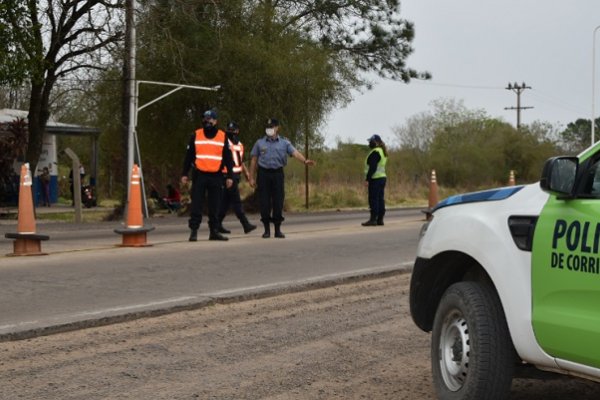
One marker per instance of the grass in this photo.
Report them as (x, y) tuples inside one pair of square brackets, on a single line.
[(322, 197), (92, 215), (336, 196)]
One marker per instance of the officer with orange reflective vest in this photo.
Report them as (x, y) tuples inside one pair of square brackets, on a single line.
[(231, 196), (208, 152)]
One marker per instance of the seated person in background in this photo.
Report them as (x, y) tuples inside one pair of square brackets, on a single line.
[(173, 199)]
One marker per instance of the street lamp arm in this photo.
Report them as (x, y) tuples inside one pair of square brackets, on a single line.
[(159, 98), (209, 88)]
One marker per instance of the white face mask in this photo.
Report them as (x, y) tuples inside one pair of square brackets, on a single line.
[(270, 132)]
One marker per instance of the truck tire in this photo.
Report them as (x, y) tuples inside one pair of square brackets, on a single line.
[(472, 355)]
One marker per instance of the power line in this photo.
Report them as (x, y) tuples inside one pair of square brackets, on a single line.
[(429, 83), (545, 98)]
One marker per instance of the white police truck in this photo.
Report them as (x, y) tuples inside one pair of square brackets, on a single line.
[(509, 279)]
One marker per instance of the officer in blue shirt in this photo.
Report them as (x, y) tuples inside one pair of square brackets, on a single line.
[(270, 154)]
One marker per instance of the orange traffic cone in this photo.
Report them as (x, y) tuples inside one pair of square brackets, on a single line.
[(511, 178), (134, 233), (27, 242), (433, 195)]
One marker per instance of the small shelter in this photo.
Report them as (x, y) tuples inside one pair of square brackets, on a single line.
[(49, 155)]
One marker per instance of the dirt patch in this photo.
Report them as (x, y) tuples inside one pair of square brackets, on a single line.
[(353, 341)]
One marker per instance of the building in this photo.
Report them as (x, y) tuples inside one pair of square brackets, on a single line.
[(48, 157)]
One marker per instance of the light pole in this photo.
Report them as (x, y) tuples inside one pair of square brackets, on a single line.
[(594, 82)]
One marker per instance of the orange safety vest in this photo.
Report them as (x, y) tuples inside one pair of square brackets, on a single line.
[(237, 152), (209, 152)]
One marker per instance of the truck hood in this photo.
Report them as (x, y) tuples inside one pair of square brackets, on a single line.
[(477, 197)]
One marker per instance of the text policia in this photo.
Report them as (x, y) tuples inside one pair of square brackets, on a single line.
[(582, 244)]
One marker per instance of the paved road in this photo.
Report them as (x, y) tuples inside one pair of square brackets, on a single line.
[(87, 280)]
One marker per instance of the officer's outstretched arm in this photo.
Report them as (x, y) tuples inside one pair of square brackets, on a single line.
[(297, 155)]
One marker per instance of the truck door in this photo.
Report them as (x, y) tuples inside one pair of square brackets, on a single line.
[(566, 270)]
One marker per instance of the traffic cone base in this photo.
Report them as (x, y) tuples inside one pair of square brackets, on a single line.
[(27, 242), (134, 237)]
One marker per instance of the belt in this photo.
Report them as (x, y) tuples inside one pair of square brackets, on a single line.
[(280, 169)]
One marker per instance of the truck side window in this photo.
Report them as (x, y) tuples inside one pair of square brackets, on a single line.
[(592, 180)]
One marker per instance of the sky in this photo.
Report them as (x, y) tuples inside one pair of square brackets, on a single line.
[(473, 49)]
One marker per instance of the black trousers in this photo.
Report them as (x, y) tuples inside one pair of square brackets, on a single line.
[(209, 185), (376, 197), (231, 198), (271, 194)]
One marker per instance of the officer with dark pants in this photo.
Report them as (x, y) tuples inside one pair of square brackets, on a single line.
[(271, 195), (231, 196), (269, 155), (375, 180), (208, 151)]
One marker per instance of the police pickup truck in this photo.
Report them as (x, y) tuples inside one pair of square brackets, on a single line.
[(509, 279)]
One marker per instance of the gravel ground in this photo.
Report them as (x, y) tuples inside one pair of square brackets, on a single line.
[(353, 341)]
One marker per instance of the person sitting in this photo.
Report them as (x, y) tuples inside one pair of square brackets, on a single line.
[(173, 199)]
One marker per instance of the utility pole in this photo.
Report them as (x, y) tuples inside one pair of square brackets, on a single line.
[(129, 99), (518, 90)]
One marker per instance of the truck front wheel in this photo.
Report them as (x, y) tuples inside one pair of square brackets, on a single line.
[(472, 355)]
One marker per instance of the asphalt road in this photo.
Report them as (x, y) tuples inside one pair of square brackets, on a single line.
[(87, 280)]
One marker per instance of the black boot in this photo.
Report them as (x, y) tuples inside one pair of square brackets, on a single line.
[(267, 233), (223, 230), (194, 235), (380, 218), (215, 235), (278, 233), (371, 222), (248, 227)]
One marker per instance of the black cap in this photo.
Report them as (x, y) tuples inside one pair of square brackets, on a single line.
[(374, 138), (271, 122), (212, 114), (232, 126)]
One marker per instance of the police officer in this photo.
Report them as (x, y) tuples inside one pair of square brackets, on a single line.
[(208, 152), (231, 196), (375, 179), (270, 155)]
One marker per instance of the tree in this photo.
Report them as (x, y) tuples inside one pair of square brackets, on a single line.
[(476, 153), (417, 134), (13, 143), (14, 41), (367, 35), (577, 135), (55, 40), (295, 60)]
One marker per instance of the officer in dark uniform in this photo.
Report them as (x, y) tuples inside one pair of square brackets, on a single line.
[(270, 154), (231, 196), (375, 179), (208, 152)]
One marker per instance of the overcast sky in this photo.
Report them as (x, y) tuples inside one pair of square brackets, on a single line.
[(474, 48)]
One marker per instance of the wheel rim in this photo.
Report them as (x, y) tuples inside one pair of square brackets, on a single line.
[(454, 350)]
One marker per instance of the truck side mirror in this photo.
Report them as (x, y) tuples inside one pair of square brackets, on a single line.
[(558, 175)]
